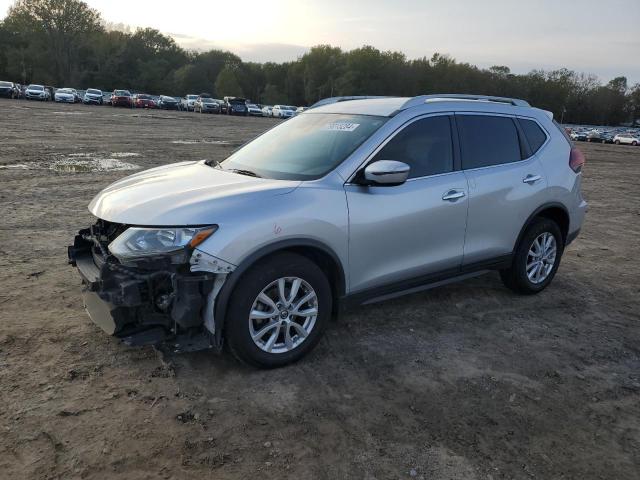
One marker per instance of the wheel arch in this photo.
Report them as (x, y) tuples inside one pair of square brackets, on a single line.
[(553, 211), (316, 251)]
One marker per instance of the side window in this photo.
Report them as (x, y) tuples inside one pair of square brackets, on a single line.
[(535, 135), (487, 140), (425, 145)]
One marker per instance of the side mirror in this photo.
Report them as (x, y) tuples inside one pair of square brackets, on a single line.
[(386, 172)]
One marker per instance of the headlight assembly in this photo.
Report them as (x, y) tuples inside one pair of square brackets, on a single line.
[(137, 242)]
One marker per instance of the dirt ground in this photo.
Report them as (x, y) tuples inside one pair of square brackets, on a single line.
[(468, 381)]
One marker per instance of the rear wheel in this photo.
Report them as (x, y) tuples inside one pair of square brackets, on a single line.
[(634, 143), (537, 258), (278, 311), (617, 142)]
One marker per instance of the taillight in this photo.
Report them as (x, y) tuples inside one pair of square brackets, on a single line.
[(576, 160)]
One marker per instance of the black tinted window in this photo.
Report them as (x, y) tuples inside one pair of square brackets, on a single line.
[(535, 135), (425, 145), (487, 140)]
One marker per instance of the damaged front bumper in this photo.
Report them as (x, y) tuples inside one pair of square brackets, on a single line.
[(151, 301)]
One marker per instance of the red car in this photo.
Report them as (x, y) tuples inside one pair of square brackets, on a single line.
[(121, 98), (142, 100)]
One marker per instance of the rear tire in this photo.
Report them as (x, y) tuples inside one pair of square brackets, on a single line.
[(282, 342), (531, 273)]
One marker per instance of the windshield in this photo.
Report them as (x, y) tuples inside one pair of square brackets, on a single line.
[(65, 90), (192, 97), (207, 100), (306, 147), (94, 92), (237, 101), (142, 96), (36, 87), (122, 93)]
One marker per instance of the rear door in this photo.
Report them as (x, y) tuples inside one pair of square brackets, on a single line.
[(506, 183), (403, 232)]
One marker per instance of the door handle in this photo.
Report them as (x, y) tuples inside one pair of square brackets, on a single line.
[(531, 179), (453, 195)]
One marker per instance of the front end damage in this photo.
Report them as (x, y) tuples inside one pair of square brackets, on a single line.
[(153, 300)]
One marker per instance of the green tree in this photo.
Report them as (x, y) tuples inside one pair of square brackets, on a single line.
[(59, 27), (227, 83)]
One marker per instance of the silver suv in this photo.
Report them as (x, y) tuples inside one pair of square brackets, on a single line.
[(350, 202)]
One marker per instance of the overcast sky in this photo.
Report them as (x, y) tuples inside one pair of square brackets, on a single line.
[(592, 36)]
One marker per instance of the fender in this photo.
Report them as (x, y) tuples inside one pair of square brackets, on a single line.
[(222, 299), (535, 213)]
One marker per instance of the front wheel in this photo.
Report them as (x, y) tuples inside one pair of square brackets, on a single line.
[(634, 143), (536, 259), (278, 311)]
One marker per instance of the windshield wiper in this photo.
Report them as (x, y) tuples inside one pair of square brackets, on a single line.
[(249, 173)]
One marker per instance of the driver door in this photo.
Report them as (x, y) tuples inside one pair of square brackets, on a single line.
[(404, 232)]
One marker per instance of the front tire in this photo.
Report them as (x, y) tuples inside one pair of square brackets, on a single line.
[(536, 259), (278, 311)]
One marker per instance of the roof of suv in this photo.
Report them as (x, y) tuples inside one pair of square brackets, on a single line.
[(389, 106)]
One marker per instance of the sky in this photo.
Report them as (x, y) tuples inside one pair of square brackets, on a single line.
[(591, 36)]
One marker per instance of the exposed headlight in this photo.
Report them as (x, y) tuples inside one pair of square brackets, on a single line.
[(136, 242)]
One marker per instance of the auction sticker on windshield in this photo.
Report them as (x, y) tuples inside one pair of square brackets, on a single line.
[(341, 126)]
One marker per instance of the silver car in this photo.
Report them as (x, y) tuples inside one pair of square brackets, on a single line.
[(347, 203)]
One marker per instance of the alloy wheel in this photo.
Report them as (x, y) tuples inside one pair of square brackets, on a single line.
[(283, 315), (541, 257)]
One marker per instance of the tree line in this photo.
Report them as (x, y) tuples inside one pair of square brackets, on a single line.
[(67, 43)]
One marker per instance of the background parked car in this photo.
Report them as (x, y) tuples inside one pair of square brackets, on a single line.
[(121, 98), (66, 95), (93, 95), (37, 92), (8, 90), (626, 139), (236, 106), (254, 110), (283, 111), (267, 111), (166, 102), (206, 105), (188, 102), (142, 100)]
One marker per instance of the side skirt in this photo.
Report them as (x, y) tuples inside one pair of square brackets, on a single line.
[(425, 282)]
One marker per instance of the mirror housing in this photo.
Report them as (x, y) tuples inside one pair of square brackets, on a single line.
[(386, 173)]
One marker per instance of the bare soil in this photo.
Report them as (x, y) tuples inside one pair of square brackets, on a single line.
[(468, 381)]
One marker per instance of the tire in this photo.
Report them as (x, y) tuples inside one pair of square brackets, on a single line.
[(244, 300), (617, 142), (635, 144), (516, 277)]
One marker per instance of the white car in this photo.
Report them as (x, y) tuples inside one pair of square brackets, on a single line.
[(626, 139), (65, 95), (283, 111), (254, 110), (267, 111), (300, 110), (93, 95), (189, 102), (36, 92)]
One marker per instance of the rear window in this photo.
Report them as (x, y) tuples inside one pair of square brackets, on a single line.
[(535, 135), (487, 140)]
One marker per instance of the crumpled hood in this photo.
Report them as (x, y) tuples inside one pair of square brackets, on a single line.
[(186, 193)]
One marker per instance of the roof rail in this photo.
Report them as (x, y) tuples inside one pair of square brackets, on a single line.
[(415, 101), (327, 101)]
